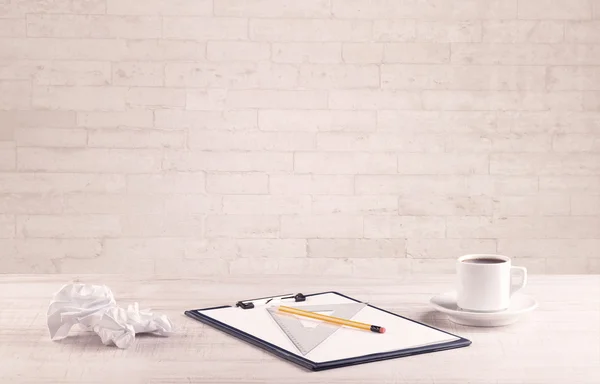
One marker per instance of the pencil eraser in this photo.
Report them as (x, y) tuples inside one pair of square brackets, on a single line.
[(382, 330)]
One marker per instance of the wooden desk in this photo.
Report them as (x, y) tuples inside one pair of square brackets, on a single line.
[(558, 343)]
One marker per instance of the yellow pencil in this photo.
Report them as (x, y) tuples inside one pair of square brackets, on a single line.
[(331, 319)]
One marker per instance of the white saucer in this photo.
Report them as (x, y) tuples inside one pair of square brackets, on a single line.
[(519, 305)]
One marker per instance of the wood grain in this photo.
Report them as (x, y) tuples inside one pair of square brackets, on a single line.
[(558, 343)]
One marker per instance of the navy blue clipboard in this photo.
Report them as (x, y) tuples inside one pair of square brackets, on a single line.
[(313, 366)]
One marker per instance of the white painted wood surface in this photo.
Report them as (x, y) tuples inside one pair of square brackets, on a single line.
[(558, 343)]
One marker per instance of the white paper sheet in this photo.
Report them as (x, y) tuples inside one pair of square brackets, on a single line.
[(93, 307)]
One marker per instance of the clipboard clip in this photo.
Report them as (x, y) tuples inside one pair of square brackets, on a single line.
[(248, 304)]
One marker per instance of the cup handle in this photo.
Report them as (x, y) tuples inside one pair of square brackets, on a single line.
[(515, 286)]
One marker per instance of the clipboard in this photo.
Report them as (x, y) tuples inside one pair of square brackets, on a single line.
[(237, 321)]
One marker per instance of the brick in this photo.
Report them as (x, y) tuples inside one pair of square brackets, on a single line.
[(504, 100), (449, 32), (162, 225), (516, 142), (138, 73), (295, 30), (439, 77), (206, 99), (400, 227), (266, 205), (585, 205), (414, 9), (494, 185), (568, 266), (374, 99), (42, 249), (314, 76), (538, 205), (427, 267), (105, 265), (573, 78), (570, 184), (172, 182), (591, 101), (409, 185), (549, 248), (576, 142), (356, 248), (311, 185), (160, 7), (135, 138), (447, 248), (7, 226), (13, 28), (242, 226), (193, 204), (30, 203), (344, 163), (72, 73), (50, 137), (205, 28), (444, 205), (523, 31), (417, 53), (379, 142), (192, 267), (549, 121), (321, 226), (130, 118), (319, 53), (79, 98), (288, 266), (228, 161), (316, 120), (111, 203), (272, 8), (523, 227), (394, 30), (362, 53), (49, 183), (231, 249), (68, 226), (227, 120), (15, 95), (231, 75), (277, 99), (237, 51), (152, 248), (163, 49), (252, 141), (237, 183), (442, 164), (555, 9), (451, 122), (155, 97), (526, 54), (59, 6), (88, 160), (61, 49), (93, 26), (355, 205), (8, 157), (573, 164), (37, 119)]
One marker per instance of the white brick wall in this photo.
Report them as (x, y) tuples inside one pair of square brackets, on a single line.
[(202, 137)]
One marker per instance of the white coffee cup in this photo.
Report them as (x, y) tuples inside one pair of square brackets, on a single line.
[(486, 282)]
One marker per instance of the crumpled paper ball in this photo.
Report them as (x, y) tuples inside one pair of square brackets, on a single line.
[(93, 307)]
